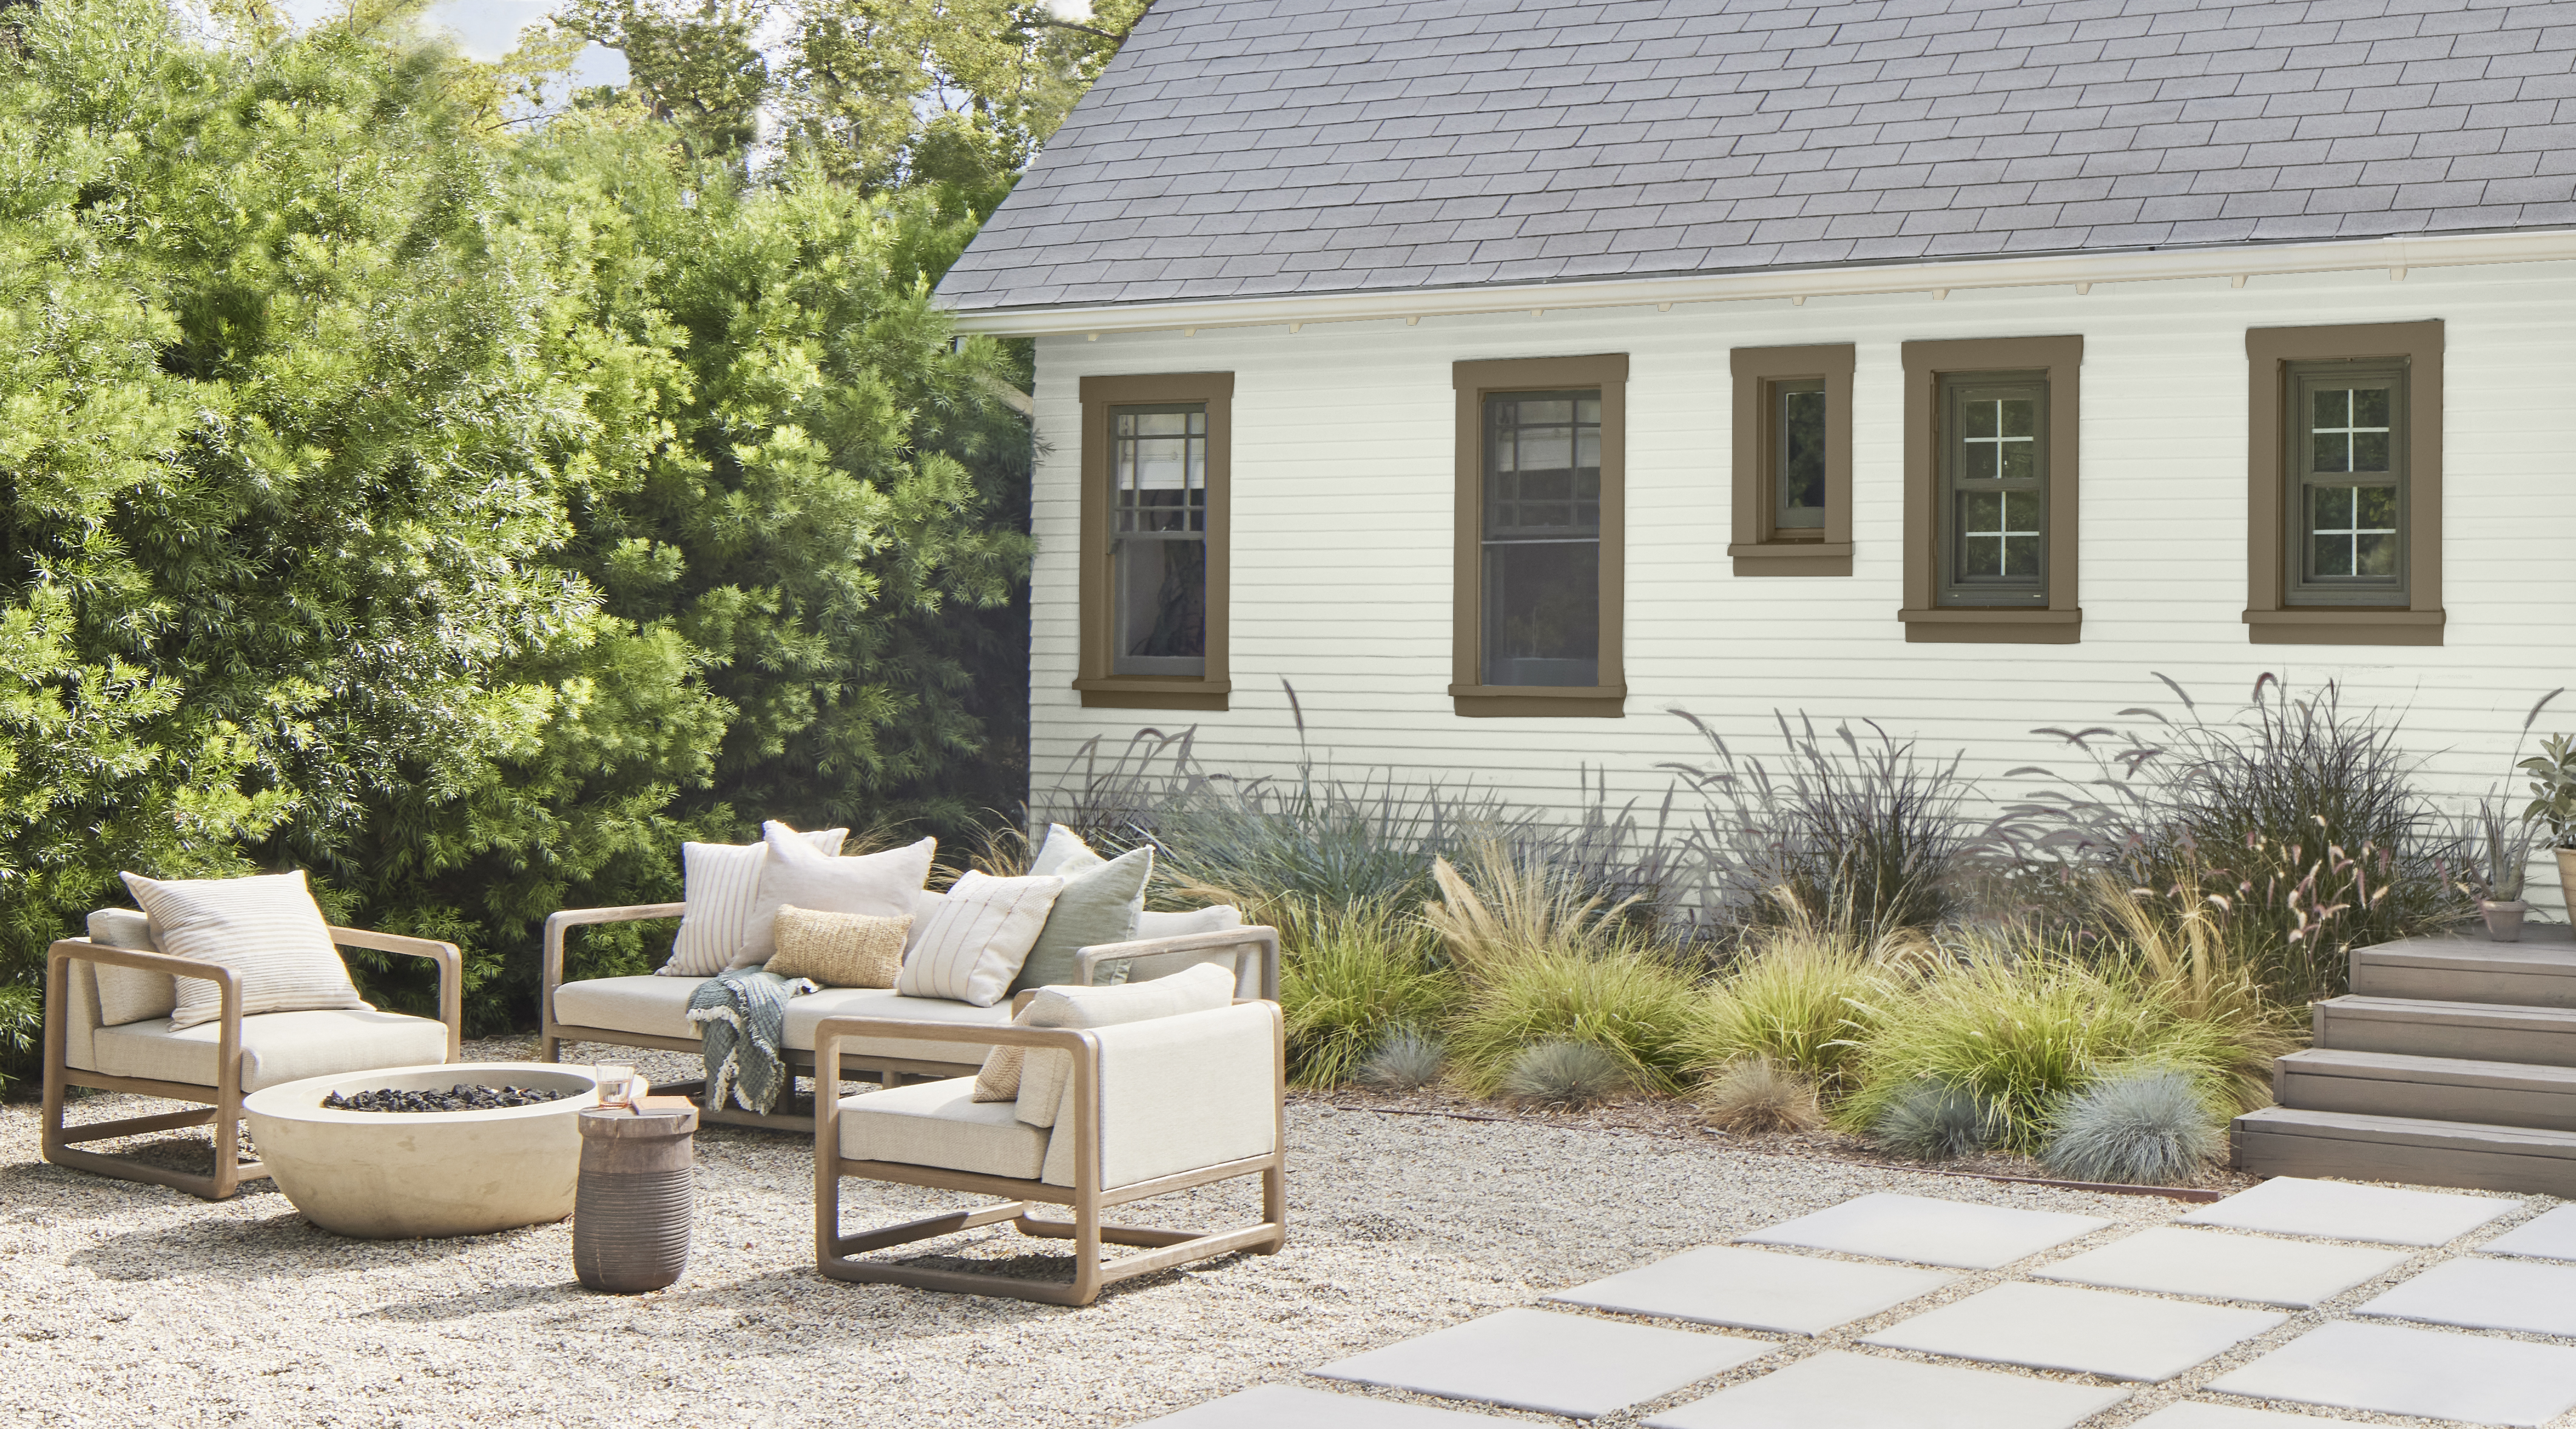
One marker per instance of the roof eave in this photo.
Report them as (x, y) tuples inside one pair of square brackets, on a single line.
[(2238, 261)]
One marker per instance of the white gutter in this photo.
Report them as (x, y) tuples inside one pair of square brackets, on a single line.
[(1939, 278)]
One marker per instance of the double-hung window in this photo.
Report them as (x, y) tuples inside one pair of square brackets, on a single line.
[(1540, 538), (2344, 484), (1991, 427), (1994, 501), (1153, 541)]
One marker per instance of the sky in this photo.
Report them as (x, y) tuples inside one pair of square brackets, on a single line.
[(487, 29)]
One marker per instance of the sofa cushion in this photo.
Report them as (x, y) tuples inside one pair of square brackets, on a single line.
[(977, 940), (1046, 1075), (129, 994), (275, 1047), (264, 927), (1097, 904), (720, 883), (880, 885), (1063, 854), (838, 949), (804, 1012), (1180, 1093), (940, 1124), (1222, 917), (648, 1006)]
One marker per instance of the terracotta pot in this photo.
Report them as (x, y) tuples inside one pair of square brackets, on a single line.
[(2504, 920)]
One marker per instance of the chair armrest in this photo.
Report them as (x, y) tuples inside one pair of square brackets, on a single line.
[(228, 994), (832, 1031), (1255, 950), (451, 973), (559, 923)]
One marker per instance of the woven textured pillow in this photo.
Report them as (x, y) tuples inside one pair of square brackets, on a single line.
[(1046, 1075), (881, 885), (977, 940), (838, 949), (265, 928), (720, 883), (998, 1080)]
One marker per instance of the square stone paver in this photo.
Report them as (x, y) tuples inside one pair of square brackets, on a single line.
[(2386, 1369), (1556, 1364), (2089, 1331), (2226, 1416), (1757, 1289), (2225, 1267), (2486, 1295), (2551, 1236), (1842, 1390), (1930, 1232), (2331, 1210), (1280, 1406)]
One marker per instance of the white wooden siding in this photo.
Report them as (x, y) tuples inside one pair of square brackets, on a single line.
[(1342, 529)]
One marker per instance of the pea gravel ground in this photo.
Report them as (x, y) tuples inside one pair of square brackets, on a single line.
[(130, 1302)]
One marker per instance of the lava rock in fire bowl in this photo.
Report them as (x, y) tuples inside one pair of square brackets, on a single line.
[(480, 1146), (460, 1097)]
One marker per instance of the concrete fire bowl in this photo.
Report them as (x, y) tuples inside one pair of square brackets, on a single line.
[(398, 1175)]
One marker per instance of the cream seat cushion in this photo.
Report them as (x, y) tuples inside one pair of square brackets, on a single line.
[(275, 1047), (804, 1012), (940, 1124), (650, 1006)]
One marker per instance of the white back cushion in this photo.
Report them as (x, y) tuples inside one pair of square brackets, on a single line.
[(1046, 1075), (265, 928), (877, 885), (1180, 1093), (721, 883), (129, 994)]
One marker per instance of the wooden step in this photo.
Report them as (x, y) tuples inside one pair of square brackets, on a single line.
[(2286, 1141), (2470, 1031), (2539, 971), (2427, 1088)]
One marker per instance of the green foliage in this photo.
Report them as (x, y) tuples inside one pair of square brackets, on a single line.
[(1405, 1061), (1351, 979), (1758, 1095), (2018, 1029), (1932, 1121), (2147, 1126), (1803, 1001), (1630, 1002), (2553, 789), (464, 516)]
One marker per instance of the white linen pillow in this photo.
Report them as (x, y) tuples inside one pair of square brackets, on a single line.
[(719, 883), (129, 994), (977, 940), (876, 885), (265, 928), (1063, 854), (1046, 1075)]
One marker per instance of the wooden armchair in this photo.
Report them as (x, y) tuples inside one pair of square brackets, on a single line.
[(1155, 1106), (216, 1062)]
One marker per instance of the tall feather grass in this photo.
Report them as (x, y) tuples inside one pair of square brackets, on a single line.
[(1350, 977), (1802, 1000)]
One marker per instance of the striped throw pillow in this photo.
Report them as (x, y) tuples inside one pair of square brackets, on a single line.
[(978, 938), (264, 928), (721, 884)]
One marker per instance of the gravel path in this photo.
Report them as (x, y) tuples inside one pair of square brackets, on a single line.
[(135, 1301)]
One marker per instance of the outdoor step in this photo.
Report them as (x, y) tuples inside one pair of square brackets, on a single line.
[(2428, 1088), (2472, 1031), (2288, 1141), (2539, 971)]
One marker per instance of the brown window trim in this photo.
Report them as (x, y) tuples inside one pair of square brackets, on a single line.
[(2269, 620), (1759, 549), (2061, 621), (1101, 689), (1609, 372)]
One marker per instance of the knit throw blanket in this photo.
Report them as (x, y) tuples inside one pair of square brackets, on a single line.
[(742, 1020)]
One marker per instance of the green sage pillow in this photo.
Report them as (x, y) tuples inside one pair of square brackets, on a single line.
[(1098, 905)]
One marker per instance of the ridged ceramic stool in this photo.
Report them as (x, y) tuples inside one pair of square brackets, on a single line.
[(638, 1194)]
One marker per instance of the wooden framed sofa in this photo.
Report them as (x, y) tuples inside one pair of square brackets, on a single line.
[(216, 1062), (651, 1011), (1151, 1107)]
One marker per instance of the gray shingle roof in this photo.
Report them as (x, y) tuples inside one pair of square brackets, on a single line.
[(1242, 148)]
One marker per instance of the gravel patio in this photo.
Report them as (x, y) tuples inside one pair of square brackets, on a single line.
[(139, 1301)]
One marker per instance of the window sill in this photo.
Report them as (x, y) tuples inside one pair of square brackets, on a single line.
[(1152, 692), (1970, 625), (1792, 558), (2344, 625), (1522, 701)]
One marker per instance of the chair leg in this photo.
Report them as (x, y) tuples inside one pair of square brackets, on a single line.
[(549, 1049)]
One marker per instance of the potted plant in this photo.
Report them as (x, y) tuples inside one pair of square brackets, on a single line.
[(2506, 842), (2553, 788)]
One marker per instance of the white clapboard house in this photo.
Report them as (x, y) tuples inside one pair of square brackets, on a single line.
[(1505, 374)]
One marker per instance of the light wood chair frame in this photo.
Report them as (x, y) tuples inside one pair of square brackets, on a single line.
[(836, 1254), (223, 1100), (1251, 940)]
